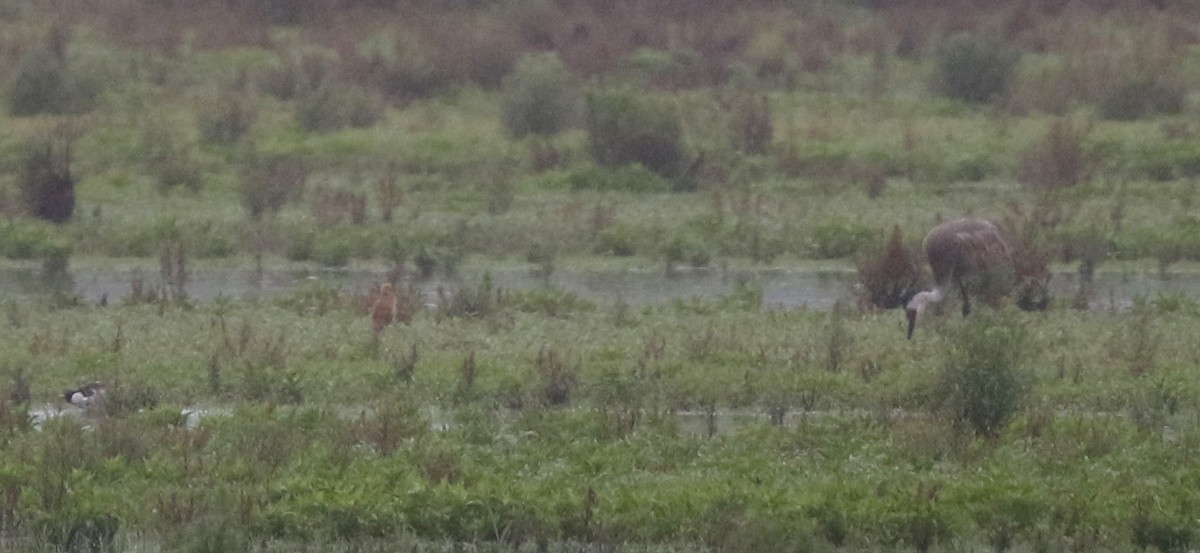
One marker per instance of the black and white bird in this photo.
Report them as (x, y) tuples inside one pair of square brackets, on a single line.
[(87, 395), (958, 251)]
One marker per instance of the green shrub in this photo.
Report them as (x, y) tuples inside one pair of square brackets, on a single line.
[(840, 239), (618, 240), (45, 82), (625, 128), (1139, 98), (975, 68), (751, 123), (541, 97), (228, 118), (169, 159), (399, 67), (981, 384), (629, 178), (689, 249), (332, 107)]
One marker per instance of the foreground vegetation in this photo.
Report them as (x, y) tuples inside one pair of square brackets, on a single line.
[(536, 417), (411, 137)]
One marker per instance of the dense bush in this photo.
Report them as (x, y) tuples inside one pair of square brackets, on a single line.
[(332, 107), (169, 159), (269, 181), (892, 275), (974, 68), (751, 123), (47, 185), (1057, 160), (228, 118), (400, 68), (46, 83), (540, 98), (1139, 98), (625, 128), (981, 382)]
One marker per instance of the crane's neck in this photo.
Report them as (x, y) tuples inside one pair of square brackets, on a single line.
[(917, 304), (922, 299)]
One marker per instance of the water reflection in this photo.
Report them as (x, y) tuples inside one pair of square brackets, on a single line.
[(781, 288)]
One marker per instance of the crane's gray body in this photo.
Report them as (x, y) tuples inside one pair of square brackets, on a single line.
[(964, 253), (964, 247)]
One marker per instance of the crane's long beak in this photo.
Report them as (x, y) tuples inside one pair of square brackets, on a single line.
[(912, 321)]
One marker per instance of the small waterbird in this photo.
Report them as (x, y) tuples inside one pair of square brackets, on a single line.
[(87, 395)]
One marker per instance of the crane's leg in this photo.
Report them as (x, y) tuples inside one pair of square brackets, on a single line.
[(966, 300)]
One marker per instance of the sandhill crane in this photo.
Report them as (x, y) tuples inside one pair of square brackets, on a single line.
[(958, 251), (383, 309)]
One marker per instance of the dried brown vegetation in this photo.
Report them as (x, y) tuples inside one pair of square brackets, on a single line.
[(891, 275), (1031, 257), (1057, 161)]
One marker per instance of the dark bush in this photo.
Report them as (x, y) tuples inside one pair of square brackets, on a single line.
[(751, 123), (269, 181), (891, 275), (1139, 98), (45, 83), (1057, 160), (333, 107), (541, 97), (625, 128), (169, 159), (975, 68), (228, 118), (1162, 531), (400, 68), (46, 183)]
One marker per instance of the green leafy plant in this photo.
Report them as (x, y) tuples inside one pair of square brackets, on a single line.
[(975, 68), (981, 384), (625, 128), (540, 97)]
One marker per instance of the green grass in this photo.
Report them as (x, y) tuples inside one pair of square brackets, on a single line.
[(586, 426)]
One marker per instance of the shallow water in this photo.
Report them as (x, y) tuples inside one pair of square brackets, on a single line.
[(782, 288)]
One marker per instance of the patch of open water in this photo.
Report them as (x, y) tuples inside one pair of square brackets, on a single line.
[(781, 288)]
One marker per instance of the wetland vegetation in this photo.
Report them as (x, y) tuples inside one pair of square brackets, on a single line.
[(415, 139)]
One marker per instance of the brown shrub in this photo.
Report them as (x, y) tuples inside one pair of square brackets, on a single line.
[(1056, 161), (891, 275), (1030, 256)]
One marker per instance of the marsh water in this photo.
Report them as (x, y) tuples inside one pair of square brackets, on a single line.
[(781, 288)]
